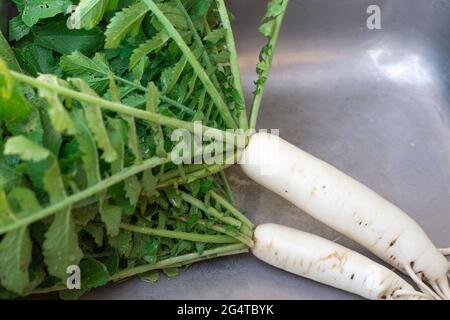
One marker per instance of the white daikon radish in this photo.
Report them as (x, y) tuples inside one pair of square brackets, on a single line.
[(327, 262), (349, 207)]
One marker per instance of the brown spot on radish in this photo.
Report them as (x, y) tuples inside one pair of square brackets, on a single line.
[(286, 191), (352, 277), (393, 242), (412, 264)]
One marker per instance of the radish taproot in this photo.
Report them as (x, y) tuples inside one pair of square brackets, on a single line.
[(349, 207), (327, 262)]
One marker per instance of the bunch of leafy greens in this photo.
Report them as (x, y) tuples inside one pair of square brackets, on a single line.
[(90, 93)]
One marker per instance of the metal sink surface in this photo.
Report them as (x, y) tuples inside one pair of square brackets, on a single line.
[(374, 103)]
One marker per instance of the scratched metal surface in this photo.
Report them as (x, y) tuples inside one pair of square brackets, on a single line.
[(376, 104)]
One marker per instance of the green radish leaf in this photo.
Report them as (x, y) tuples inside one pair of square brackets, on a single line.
[(31, 127), (36, 10), (93, 274), (88, 14), (35, 59), (206, 185), (95, 121), (149, 183), (111, 263), (25, 199), (7, 54), (148, 47), (55, 36), (133, 190), (116, 132), (113, 4), (271, 20), (174, 15), (8, 177), (95, 72), (200, 8), (26, 149), (58, 114), (175, 74), (71, 294), (88, 149), (6, 213), (133, 139), (145, 247), (153, 97), (124, 22), (96, 232), (53, 183), (171, 272), (15, 259), (77, 64), (60, 248), (18, 29), (85, 215), (151, 276), (216, 35), (16, 246), (123, 243), (222, 57), (13, 105), (139, 70), (6, 81), (111, 216)]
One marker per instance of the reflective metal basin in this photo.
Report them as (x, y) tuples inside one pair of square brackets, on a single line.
[(374, 103)]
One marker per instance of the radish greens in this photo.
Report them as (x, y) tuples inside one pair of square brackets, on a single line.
[(90, 94)]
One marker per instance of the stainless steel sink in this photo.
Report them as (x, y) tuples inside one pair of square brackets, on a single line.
[(374, 103)]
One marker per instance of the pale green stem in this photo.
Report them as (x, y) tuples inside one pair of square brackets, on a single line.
[(120, 108), (201, 73), (228, 206), (227, 187), (163, 98), (199, 42), (191, 177), (189, 236), (184, 260), (257, 99), (242, 237), (210, 210), (234, 62)]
